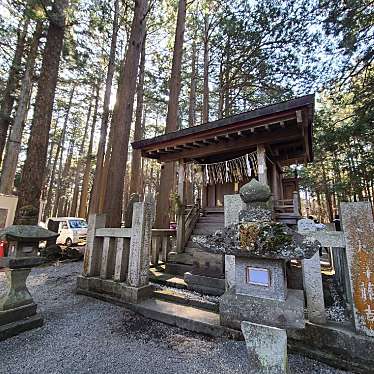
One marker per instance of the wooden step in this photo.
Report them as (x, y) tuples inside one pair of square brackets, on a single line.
[(205, 230)]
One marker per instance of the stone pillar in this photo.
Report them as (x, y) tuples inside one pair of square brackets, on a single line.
[(140, 245), (267, 348), (312, 279), (233, 204), (180, 212), (92, 254), (358, 227), (261, 164)]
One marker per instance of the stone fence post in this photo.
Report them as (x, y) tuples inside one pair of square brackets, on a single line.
[(233, 204), (93, 252), (140, 245), (312, 278)]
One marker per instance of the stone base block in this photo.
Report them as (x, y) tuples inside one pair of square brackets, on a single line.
[(267, 348), (14, 328), (206, 285), (17, 314), (286, 314), (335, 344), (208, 264), (117, 290)]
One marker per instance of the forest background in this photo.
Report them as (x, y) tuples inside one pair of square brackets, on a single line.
[(81, 79)]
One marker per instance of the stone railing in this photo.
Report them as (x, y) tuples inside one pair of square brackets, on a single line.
[(163, 242), (116, 261)]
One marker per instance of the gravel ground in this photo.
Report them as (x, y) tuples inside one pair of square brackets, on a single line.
[(84, 335)]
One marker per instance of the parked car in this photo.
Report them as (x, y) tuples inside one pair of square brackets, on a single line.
[(72, 230)]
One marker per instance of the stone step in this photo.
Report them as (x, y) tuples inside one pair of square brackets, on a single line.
[(186, 298), (183, 258), (185, 317), (168, 279), (177, 268)]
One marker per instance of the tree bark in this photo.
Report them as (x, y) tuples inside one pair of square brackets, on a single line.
[(13, 78), (135, 185), (34, 167), (15, 136), (87, 169), (168, 170), (78, 171), (98, 178), (192, 96), (122, 116), (206, 70), (61, 151), (66, 175)]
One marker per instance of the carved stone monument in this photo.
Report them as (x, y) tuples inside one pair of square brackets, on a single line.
[(259, 294), (17, 307), (359, 238)]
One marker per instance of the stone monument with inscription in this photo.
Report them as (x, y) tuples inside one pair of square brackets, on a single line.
[(358, 225), (260, 295)]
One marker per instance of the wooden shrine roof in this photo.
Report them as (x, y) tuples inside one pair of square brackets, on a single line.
[(285, 128)]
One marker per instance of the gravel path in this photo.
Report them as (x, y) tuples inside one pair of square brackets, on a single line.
[(84, 335)]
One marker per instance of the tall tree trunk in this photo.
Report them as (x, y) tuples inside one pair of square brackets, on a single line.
[(78, 171), (167, 171), (327, 193), (221, 90), (98, 178), (206, 70), (192, 96), (122, 116), (87, 169), (13, 79), (34, 167), (105, 172), (66, 175), (135, 185), (49, 199), (61, 151), (15, 136)]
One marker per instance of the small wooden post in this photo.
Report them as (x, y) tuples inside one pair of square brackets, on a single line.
[(181, 217), (261, 164), (274, 178), (296, 207)]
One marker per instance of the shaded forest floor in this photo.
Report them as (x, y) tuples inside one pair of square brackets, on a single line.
[(82, 335)]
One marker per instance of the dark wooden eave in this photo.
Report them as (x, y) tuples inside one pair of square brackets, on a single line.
[(285, 127)]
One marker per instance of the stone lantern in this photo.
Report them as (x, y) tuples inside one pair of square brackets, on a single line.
[(262, 249), (260, 302), (17, 308)]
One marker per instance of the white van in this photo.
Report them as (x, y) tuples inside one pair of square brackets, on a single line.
[(72, 230)]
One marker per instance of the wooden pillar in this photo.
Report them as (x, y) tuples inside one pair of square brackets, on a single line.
[(274, 179), (261, 164), (181, 217)]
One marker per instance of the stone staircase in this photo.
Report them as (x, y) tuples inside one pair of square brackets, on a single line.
[(210, 221)]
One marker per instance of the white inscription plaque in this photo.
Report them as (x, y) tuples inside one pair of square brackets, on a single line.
[(258, 276)]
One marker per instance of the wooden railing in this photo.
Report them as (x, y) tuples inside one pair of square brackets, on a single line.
[(191, 219), (163, 242)]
